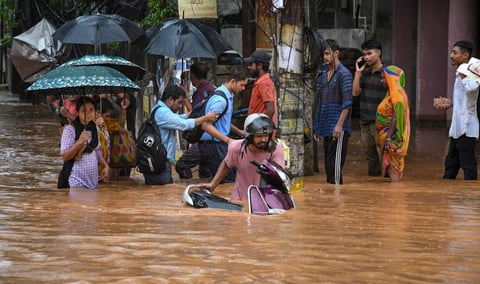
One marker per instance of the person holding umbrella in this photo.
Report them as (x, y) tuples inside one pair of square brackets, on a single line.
[(81, 150), (81, 165)]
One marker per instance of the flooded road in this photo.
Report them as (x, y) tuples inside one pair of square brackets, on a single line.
[(421, 230)]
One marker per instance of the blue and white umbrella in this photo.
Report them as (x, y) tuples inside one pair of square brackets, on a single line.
[(130, 69), (82, 80)]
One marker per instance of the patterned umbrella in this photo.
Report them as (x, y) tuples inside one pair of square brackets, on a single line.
[(130, 69), (82, 80)]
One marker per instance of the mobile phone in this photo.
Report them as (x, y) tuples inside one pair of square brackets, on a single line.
[(361, 63)]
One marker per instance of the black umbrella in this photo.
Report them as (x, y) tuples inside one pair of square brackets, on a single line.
[(98, 29), (182, 38)]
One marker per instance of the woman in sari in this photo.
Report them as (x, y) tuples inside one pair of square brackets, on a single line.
[(393, 124)]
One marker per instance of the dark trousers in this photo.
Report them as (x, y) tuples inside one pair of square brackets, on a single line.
[(162, 178), (335, 151), (190, 159), (369, 137), (212, 154), (461, 154)]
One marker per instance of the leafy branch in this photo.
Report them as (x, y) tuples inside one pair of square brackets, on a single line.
[(159, 11), (6, 15)]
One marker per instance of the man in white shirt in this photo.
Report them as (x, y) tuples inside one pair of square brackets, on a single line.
[(464, 130)]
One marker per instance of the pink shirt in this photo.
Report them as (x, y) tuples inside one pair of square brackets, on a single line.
[(239, 156), (71, 107)]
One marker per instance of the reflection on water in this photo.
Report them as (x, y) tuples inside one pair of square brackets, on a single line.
[(422, 230)]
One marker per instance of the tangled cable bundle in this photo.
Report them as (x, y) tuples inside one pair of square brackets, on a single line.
[(313, 46)]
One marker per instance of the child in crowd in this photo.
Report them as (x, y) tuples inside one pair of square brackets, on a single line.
[(68, 110)]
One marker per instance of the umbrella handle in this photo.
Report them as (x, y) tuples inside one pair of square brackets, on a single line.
[(84, 108)]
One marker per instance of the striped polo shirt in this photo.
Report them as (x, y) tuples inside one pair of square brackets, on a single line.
[(333, 96), (373, 92)]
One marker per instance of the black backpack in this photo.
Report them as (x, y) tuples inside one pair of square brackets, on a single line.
[(193, 135), (151, 153)]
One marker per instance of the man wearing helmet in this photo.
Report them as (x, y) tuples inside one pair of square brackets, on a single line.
[(257, 145)]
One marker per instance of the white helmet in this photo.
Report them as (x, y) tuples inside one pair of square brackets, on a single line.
[(258, 124)]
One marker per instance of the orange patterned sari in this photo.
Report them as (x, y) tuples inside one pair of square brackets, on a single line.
[(395, 104)]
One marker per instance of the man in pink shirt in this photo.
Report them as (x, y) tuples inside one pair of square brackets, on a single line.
[(257, 145)]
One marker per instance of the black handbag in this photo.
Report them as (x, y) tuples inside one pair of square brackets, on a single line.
[(65, 174)]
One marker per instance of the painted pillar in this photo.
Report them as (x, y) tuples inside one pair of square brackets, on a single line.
[(463, 24), (431, 57), (423, 35), (404, 44)]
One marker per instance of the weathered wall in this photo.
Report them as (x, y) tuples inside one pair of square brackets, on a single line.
[(432, 54), (404, 45)]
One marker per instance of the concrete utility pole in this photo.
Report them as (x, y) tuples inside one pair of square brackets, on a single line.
[(291, 95), (280, 30)]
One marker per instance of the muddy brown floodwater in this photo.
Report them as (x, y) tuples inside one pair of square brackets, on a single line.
[(421, 230)]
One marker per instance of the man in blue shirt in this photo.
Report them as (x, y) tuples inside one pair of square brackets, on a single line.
[(214, 142), (168, 121), (333, 116)]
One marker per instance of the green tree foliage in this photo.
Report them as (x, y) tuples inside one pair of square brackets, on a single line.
[(60, 11), (158, 11), (6, 15)]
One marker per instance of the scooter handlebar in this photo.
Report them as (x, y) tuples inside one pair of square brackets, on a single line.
[(186, 194), (260, 167)]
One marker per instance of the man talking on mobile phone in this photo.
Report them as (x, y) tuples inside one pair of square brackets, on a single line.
[(367, 84)]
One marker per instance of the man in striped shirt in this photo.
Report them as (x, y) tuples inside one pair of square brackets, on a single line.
[(333, 114), (367, 84)]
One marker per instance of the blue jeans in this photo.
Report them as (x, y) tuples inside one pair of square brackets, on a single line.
[(162, 178)]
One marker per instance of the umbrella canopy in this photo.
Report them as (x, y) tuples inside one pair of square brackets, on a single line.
[(34, 52), (182, 38), (82, 80), (130, 69), (98, 29)]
